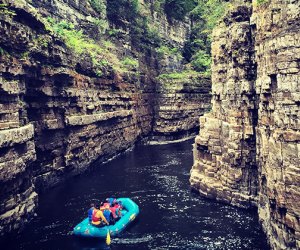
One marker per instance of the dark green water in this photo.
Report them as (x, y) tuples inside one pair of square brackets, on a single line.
[(171, 217)]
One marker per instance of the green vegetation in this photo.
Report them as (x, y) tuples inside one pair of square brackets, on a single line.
[(159, 6), (74, 39), (2, 51), (81, 44), (178, 75), (4, 10), (130, 63), (101, 54), (144, 37), (129, 15), (166, 51), (125, 12), (204, 16), (120, 11), (101, 24), (151, 35), (201, 61), (25, 55), (259, 2), (178, 9), (175, 9), (116, 33), (41, 41), (99, 6)]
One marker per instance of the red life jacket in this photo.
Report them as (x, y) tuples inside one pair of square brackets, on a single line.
[(94, 218)]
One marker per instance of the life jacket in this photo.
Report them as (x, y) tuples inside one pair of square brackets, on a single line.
[(96, 219), (111, 200), (116, 211), (106, 214)]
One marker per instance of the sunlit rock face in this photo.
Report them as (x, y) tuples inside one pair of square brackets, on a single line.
[(247, 152), (224, 152), (277, 45)]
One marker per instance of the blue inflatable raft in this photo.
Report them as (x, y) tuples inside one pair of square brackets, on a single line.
[(130, 211)]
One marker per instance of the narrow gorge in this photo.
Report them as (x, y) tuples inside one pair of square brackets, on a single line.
[(83, 81), (80, 84)]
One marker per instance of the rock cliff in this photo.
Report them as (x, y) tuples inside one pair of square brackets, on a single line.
[(247, 152), (66, 103), (179, 104)]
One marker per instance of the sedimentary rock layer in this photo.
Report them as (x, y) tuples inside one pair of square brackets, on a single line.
[(277, 35), (179, 104), (224, 152), (57, 116), (247, 152)]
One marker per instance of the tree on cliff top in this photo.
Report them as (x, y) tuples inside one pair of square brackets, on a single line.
[(204, 18)]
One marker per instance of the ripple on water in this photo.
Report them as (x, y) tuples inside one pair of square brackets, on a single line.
[(171, 217)]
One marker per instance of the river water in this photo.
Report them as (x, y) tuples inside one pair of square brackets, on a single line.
[(156, 177)]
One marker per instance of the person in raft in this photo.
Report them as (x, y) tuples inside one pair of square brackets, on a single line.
[(109, 201), (115, 210), (106, 212), (98, 219), (90, 212)]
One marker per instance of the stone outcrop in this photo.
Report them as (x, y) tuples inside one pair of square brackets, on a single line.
[(224, 166), (247, 152), (277, 35), (179, 104), (57, 114)]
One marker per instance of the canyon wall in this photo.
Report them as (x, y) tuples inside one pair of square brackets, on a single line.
[(57, 116), (179, 104), (62, 110), (247, 152), (277, 34), (181, 97)]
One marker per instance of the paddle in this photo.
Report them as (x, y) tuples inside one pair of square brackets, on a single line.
[(108, 241)]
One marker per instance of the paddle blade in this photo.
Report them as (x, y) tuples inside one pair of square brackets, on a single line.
[(108, 238)]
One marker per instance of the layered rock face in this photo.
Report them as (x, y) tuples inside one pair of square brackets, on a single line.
[(247, 152), (57, 117), (179, 104), (224, 152), (57, 113), (277, 47), (179, 101)]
